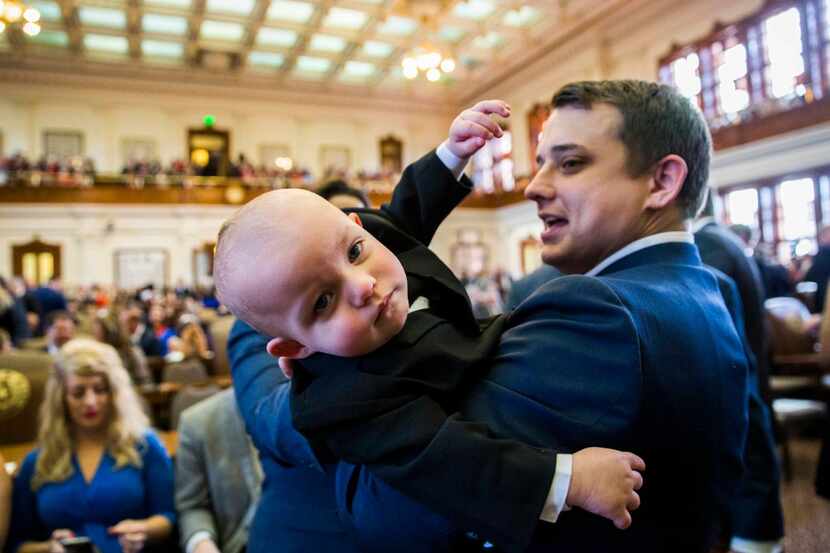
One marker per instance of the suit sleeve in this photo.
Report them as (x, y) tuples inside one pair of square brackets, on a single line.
[(193, 501), (425, 195), (262, 393)]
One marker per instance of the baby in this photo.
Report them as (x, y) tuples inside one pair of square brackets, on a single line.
[(378, 382)]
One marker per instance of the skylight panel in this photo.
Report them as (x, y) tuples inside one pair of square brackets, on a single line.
[(51, 38), (266, 59), (341, 18), (474, 9), (521, 17), (359, 69), (49, 11), (276, 37), (310, 64), (164, 24), (238, 7), (102, 17), (451, 34), (162, 48), (106, 43), (490, 40), (399, 26), (375, 49), (221, 30), (287, 10), (327, 43)]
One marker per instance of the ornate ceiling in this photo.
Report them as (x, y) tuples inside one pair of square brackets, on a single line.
[(346, 46)]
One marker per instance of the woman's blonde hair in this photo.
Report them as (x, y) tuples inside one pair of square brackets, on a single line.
[(126, 425)]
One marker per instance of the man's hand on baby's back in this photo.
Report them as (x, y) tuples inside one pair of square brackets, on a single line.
[(474, 126), (605, 483)]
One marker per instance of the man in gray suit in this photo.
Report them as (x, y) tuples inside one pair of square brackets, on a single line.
[(218, 477)]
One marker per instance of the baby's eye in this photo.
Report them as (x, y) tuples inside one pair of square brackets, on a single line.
[(355, 251), (322, 302)]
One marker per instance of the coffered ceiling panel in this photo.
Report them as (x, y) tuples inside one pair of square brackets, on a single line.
[(341, 43)]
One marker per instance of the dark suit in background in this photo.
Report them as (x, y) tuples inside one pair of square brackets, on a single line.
[(756, 513), (819, 272)]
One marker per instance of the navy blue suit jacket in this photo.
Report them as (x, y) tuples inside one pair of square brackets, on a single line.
[(645, 357)]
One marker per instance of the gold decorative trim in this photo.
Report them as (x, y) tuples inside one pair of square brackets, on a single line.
[(15, 392)]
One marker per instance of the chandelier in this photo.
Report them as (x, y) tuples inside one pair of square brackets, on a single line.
[(13, 12), (428, 61)]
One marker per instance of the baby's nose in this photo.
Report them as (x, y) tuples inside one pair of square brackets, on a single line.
[(363, 287)]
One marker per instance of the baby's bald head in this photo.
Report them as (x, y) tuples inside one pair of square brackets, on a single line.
[(269, 229)]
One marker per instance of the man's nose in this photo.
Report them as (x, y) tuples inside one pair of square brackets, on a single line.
[(540, 187), (361, 288)]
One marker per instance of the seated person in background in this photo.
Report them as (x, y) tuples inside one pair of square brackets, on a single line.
[(13, 314), (5, 501), (98, 471), (340, 194), (156, 320), (376, 385), (5, 342), (218, 477), (132, 324), (60, 328), (104, 330)]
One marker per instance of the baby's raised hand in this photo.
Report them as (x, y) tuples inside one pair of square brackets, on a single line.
[(474, 126), (604, 482)]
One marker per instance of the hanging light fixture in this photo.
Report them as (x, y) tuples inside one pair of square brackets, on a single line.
[(13, 12), (428, 61)]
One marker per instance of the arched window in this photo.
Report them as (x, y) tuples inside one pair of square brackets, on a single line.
[(36, 261)]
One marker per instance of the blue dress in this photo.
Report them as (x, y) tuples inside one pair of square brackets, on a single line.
[(89, 509)]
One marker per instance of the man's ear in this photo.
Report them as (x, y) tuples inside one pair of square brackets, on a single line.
[(291, 349), (356, 218), (667, 181)]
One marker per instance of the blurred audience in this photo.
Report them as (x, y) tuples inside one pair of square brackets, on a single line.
[(6, 345), (106, 331), (98, 470), (61, 327), (774, 276), (133, 325), (13, 318), (49, 298)]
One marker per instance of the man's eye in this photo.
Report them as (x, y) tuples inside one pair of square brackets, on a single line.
[(355, 251), (322, 303), (571, 164)]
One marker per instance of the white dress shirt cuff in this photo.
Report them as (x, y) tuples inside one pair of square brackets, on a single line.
[(741, 545), (197, 538), (455, 164), (558, 494)]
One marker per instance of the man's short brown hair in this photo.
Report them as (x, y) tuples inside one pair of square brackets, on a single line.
[(656, 121)]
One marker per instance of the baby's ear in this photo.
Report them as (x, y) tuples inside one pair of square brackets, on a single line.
[(356, 218), (291, 349)]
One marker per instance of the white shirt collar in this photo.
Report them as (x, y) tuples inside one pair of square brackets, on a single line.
[(641, 244), (702, 222)]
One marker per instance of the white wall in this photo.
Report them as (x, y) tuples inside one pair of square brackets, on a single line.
[(107, 117)]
